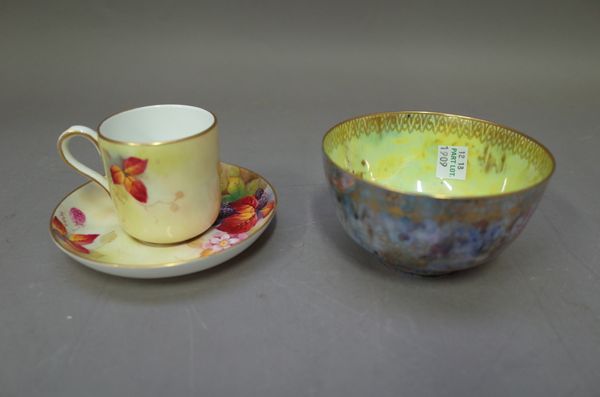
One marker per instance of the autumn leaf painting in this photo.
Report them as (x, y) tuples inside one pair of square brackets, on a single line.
[(72, 240), (127, 176)]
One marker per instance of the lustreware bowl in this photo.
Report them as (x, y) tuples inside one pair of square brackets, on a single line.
[(396, 181)]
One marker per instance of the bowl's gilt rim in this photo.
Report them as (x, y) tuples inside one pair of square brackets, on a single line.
[(440, 196)]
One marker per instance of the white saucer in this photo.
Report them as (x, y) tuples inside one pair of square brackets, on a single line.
[(84, 225)]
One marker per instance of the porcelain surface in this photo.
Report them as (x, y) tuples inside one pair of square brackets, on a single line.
[(382, 171), (162, 169), (86, 227)]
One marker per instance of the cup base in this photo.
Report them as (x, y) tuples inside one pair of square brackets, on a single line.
[(186, 240), (152, 244)]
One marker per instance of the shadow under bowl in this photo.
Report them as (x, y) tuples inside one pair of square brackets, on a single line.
[(396, 179)]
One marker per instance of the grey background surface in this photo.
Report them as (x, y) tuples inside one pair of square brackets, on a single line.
[(305, 312)]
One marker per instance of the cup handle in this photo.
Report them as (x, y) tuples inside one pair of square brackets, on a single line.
[(65, 153)]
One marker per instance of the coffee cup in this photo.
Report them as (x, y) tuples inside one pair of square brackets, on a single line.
[(161, 166)]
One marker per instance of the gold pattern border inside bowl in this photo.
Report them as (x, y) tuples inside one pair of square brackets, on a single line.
[(486, 132)]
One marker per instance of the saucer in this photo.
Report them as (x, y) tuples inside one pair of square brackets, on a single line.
[(84, 226)]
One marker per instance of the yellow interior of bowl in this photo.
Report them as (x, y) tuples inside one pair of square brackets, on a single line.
[(400, 152)]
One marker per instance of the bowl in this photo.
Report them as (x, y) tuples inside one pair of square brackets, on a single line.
[(433, 193)]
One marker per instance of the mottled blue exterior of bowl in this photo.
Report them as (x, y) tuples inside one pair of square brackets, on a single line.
[(427, 235)]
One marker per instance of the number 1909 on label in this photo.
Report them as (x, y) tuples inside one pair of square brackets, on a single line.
[(452, 162)]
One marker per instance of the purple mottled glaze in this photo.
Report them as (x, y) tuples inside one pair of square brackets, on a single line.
[(426, 235)]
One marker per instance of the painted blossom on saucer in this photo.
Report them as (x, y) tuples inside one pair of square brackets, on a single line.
[(220, 242), (77, 216)]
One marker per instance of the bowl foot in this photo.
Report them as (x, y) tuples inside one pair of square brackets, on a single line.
[(421, 272)]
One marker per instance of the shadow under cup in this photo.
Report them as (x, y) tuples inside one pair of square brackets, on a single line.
[(162, 166), (433, 193)]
